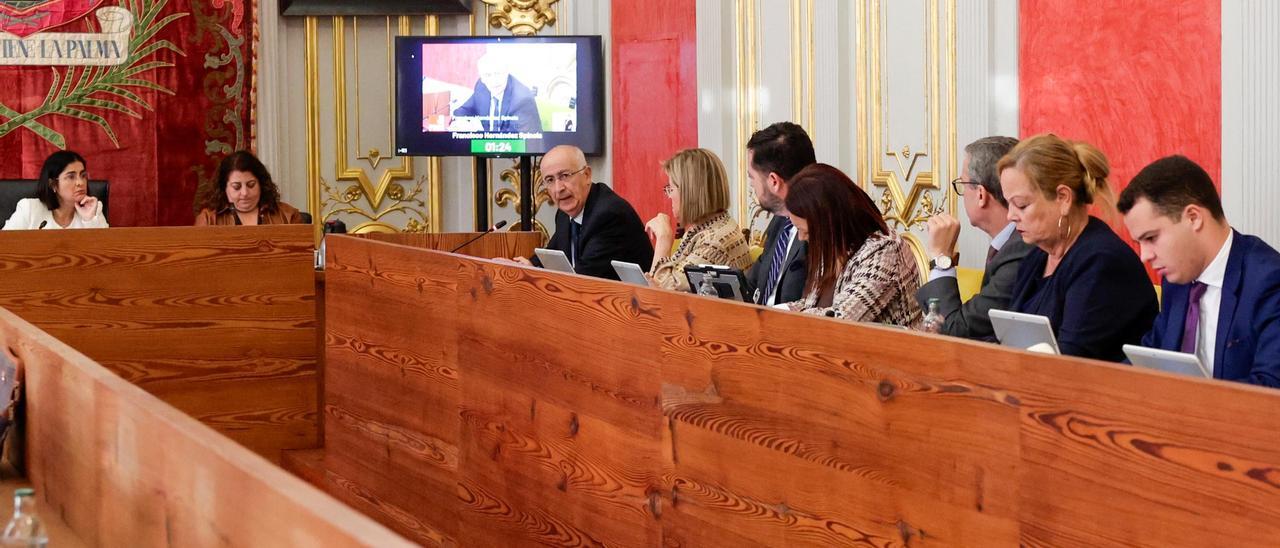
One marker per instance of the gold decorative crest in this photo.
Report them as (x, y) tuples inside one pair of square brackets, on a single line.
[(521, 17)]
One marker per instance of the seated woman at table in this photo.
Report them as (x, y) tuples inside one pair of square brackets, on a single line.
[(859, 270), (1081, 275), (244, 194), (699, 192), (62, 198)]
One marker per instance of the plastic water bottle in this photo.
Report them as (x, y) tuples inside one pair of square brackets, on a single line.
[(707, 288), (25, 528), (933, 319)]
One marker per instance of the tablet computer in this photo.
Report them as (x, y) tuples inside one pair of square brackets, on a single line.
[(728, 282), (630, 273), (1023, 331), (1166, 360), (554, 259)]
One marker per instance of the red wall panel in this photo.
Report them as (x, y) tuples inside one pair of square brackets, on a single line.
[(654, 95), (1140, 79)]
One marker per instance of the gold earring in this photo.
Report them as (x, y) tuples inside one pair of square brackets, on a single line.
[(1068, 236)]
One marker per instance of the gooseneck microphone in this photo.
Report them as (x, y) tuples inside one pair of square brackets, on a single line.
[(495, 226)]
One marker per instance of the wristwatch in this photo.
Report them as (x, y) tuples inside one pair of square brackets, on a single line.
[(941, 262)]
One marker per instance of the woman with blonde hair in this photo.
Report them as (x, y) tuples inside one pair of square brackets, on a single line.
[(699, 192), (1081, 275)]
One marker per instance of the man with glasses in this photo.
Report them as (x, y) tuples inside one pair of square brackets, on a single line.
[(979, 190), (594, 225)]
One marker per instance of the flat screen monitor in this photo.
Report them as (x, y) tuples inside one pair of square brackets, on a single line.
[(498, 95)]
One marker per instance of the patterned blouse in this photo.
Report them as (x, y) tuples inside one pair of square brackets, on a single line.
[(878, 284), (718, 241)]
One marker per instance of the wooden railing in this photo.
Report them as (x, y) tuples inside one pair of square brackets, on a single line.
[(219, 322), (119, 467), (482, 404)]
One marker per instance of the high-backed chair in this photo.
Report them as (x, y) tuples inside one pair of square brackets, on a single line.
[(13, 190)]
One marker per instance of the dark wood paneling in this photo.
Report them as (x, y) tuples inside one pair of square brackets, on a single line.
[(219, 322)]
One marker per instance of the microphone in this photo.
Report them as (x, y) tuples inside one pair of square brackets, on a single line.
[(495, 226), (42, 223)]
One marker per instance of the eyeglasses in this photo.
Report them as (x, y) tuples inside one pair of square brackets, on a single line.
[(562, 177), (958, 185)]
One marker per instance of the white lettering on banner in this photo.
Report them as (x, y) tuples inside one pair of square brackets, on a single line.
[(109, 47)]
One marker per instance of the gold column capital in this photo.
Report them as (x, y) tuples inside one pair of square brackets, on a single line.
[(521, 17)]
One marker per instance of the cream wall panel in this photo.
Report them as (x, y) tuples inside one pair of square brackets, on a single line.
[(762, 61), (1251, 116), (986, 91)]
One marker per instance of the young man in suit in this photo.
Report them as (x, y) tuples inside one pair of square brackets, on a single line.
[(984, 203), (774, 155), (594, 225), (1220, 288)]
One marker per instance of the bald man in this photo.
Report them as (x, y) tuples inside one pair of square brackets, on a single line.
[(502, 102), (593, 225)]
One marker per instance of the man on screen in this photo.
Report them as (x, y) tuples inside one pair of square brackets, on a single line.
[(501, 103)]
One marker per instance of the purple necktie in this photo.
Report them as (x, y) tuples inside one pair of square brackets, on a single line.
[(1192, 322), (991, 253)]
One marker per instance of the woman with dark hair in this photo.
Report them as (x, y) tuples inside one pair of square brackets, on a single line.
[(859, 270), (62, 198), (244, 195)]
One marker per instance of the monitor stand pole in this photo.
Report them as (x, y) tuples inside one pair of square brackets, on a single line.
[(526, 193), (482, 193)]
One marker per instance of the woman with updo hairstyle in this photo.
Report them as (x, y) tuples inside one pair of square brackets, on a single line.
[(244, 194), (859, 270), (1081, 275)]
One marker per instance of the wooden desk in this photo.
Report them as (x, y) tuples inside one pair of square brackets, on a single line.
[(483, 404)]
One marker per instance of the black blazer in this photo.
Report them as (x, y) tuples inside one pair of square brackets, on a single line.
[(791, 287), (1098, 299), (970, 319), (611, 231), (517, 101)]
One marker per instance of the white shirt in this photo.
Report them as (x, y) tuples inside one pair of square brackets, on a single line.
[(1211, 304), (31, 213), (791, 240), (997, 242)]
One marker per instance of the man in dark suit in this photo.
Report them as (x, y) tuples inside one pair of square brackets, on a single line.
[(774, 155), (1220, 288), (594, 225), (502, 102), (984, 203)]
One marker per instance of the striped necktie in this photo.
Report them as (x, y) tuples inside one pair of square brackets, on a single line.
[(779, 256)]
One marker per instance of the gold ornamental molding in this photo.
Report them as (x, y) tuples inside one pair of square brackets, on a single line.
[(913, 177), (510, 197), (372, 194), (521, 17), (909, 196)]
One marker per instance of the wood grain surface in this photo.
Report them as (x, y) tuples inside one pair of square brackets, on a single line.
[(474, 403), (122, 468), (219, 322), (501, 243)]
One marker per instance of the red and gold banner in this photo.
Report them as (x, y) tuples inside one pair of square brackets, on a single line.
[(151, 92)]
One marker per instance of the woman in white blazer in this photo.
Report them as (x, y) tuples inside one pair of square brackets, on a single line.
[(62, 198)]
